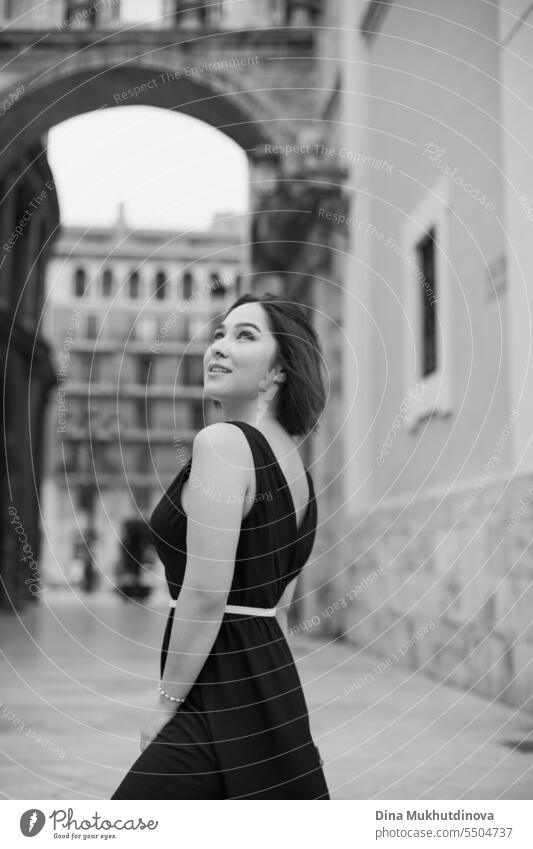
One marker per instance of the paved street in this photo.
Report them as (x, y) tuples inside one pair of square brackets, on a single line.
[(76, 672)]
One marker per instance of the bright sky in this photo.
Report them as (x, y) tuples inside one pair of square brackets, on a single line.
[(171, 171)]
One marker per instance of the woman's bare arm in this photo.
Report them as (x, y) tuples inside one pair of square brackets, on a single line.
[(284, 605), (218, 483)]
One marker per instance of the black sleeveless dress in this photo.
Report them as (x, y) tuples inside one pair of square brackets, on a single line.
[(243, 731)]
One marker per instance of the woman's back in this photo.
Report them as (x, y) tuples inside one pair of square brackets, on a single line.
[(272, 547)]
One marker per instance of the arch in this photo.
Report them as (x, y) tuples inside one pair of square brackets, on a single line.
[(69, 91)]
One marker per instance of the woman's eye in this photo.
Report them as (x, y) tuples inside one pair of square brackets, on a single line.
[(241, 332)]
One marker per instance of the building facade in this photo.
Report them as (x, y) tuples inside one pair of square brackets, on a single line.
[(431, 118), (128, 314)]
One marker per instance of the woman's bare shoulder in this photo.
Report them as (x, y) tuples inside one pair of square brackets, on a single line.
[(222, 442)]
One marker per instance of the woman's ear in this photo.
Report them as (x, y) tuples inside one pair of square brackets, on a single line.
[(280, 377)]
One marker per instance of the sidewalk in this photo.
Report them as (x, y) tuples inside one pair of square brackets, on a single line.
[(76, 674)]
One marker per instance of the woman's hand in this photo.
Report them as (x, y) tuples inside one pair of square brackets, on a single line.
[(156, 718)]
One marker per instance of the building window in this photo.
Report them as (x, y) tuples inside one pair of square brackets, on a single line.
[(142, 494), (187, 285), (217, 285), (198, 417), (238, 285), (143, 370), (80, 282), (193, 370), (140, 413), (428, 310), (134, 285), (424, 252), (88, 368), (76, 10), (9, 9), (160, 285), (92, 326), (107, 283)]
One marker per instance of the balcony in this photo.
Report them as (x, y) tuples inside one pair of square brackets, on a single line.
[(128, 435), (137, 347), (184, 15), (133, 391)]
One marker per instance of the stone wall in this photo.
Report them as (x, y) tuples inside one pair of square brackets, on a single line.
[(452, 574)]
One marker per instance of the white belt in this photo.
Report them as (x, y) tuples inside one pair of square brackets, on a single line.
[(241, 608)]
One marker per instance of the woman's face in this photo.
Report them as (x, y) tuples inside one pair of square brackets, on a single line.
[(244, 346)]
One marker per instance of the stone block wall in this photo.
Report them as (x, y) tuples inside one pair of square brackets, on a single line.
[(445, 584)]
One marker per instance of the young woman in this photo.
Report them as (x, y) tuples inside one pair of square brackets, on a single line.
[(234, 530)]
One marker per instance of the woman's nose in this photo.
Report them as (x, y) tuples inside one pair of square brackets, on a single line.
[(219, 348)]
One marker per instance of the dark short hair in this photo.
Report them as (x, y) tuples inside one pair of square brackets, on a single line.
[(302, 395)]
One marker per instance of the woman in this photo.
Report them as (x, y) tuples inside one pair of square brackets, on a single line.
[(231, 721)]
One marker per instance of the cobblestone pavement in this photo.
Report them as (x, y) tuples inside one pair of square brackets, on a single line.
[(77, 671)]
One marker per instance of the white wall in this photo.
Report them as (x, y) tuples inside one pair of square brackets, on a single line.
[(517, 134)]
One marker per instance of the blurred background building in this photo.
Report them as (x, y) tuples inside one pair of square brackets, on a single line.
[(391, 192), (128, 315)]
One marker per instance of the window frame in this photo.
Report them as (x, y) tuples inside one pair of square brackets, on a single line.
[(160, 288), (80, 273), (436, 397), (134, 279), (187, 280)]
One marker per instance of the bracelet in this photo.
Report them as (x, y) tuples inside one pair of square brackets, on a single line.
[(166, 695)]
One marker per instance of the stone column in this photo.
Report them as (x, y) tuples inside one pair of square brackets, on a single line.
[(7, 222), (263, 186), (27, 375), (292, 241)]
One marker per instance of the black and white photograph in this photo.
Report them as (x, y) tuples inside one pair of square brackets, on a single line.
[(266, 506)]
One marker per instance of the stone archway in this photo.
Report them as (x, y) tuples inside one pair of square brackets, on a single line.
[(239, 83)]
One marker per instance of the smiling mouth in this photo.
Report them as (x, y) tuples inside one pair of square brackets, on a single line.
[(218, 370)]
